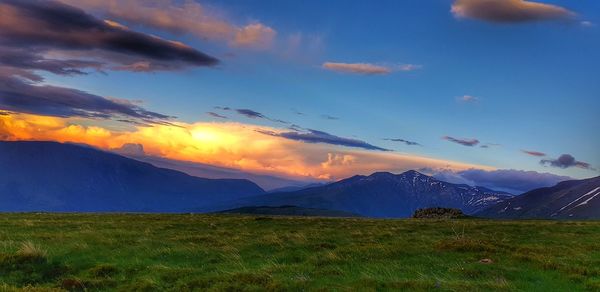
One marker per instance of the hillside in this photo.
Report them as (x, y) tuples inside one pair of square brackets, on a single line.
[(187, 252), (48, 176), (383, 194), (574, 199)]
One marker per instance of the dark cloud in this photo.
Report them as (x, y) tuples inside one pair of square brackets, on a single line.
[(328, 117), (49, 36), (19, 95), (314, 136), (50, 25), (298, 112), (250, 114), (464, 142), (409, 143), (566, 161), (509, 180), (534, 153), (489, 145), (216, 115), (507, 11), (31, 60)]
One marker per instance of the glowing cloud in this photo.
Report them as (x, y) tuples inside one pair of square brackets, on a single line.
[(227, 144)]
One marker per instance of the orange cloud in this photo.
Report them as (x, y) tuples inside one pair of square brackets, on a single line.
[(228, 144), (368, 68), (509, 10), (181, 17)]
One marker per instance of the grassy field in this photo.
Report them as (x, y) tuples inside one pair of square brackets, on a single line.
[(46, 252)]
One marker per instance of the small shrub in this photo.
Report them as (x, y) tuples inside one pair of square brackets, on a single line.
[(438, 213), (31, 252)]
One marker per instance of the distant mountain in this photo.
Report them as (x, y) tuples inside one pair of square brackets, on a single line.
[(49, 176), (295, 188), (267, 182), (288, 211), (576, 199), (384, 194)]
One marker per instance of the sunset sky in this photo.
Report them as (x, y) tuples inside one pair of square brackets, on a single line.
[(312, 89)]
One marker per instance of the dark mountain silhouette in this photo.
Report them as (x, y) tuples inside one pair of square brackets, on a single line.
[(384, 194), (288, 211), (49, 176), (576, 199)]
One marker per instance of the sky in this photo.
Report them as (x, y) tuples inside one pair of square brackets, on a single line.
[(320, 90)]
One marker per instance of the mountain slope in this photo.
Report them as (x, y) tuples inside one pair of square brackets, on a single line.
[(384, 194), (577, 199), (49, 176), (267, 182)]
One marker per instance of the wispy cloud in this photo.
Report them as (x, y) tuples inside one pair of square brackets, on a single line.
[(252, 114), (464, 142), (314, 136), (407, 142), (368, 68), (507, 11), (216, 115), (468, 98), (328, 117), (534, 153), (566, 161)]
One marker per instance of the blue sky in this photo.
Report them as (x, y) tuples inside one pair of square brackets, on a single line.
[(533, 84)]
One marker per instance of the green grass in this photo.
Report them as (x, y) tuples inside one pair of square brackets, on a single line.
[(47, 252)]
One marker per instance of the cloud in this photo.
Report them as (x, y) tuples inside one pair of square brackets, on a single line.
[(409, 143), (566, 161), (254, 35), (534, 153), (31, 59), (507, 11), (358, 68), (250, 114), (587, 23), (314, 136), (24, 96), (368, 68), (130, 149), (510, 180), (182, 17), (464, 142), (225, 144), (468, 98), (216, 115), (328, 117), (49, 26)]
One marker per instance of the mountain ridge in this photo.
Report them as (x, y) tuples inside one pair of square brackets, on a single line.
[(383, 194), (572, 199), (62, 177)]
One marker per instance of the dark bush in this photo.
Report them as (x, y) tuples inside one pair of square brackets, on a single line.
[(437, 212)]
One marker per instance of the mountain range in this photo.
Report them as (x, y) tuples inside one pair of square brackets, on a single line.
[(57, 177), (384, 194), (49, 176), (573, 199)]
